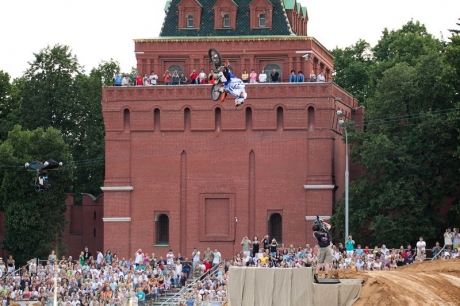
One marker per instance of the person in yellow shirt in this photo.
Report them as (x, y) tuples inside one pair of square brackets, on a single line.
[(264, 258)]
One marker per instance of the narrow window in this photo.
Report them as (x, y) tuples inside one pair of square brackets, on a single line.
[(217, 118), (275, 227), (190, 21), (311, 118), (262, 23), (163, 229), (94, 215), (126, 120), (156, 120), (248, 119), (279, 119), (187, 120), (94, 232)]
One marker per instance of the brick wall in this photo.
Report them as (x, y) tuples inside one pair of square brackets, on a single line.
[(249, 163)]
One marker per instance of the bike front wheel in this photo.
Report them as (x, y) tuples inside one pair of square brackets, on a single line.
[(215, 92)]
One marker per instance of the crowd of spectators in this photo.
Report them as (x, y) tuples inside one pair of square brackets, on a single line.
[(105, 279), (178, 78)]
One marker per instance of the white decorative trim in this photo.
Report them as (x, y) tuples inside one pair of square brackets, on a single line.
[(117, 219), (313, 218), (318, 186), (118, 188)]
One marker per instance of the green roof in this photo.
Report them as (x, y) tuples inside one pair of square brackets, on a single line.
[(167, 4), (280, 24), (304, 12), (289, 4)]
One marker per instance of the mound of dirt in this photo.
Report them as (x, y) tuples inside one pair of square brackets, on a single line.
[(428, 283)]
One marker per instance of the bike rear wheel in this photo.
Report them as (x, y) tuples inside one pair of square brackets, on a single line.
[(215, 92), (215, 57)]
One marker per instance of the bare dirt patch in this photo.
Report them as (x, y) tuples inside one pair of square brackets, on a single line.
[(427, 283)]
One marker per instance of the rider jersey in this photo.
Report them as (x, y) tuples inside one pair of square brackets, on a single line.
[(228, 75)]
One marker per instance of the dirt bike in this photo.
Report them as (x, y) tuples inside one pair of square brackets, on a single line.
[(216, 89)]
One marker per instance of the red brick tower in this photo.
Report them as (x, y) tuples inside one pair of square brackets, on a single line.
[(183, 171)]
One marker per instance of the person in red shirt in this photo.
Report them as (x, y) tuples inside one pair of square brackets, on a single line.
[(194, 77), (139, 80), (207, 264)]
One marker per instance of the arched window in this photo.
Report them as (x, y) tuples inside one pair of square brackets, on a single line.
[(262, 21), (187, 123), (162, 229), (275, 226), (218, 120), (269, 69), (226, 21), (190, 21), (179, 69), (156, 120)]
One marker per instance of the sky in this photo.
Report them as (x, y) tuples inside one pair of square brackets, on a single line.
[(99, 30)]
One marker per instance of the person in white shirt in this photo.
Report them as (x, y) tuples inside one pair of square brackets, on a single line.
[(384, 250), (99, 259), (421, 246), (262, 77), (217, 257), (196, 257), (139, 257), (153, 78)]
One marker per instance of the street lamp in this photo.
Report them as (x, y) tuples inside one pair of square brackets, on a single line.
[(342, 124)]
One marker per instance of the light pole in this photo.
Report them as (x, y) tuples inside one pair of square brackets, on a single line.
[(342, 124)]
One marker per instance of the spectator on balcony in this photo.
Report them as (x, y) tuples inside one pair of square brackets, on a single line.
[(117, 78), (208, 255), (275, 76), (321, 77), (167, 78), (202, 77), (245, 76), (182, 79), (253, 76), (195, 257), (262, 77), (211, 77), (194, 77), (146, 81), (175, 78), (139, 80), (300, 77), (126, 81), (255, 246), (312, 76), (153, 78), (293, 77)]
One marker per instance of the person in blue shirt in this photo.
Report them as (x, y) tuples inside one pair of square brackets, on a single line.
[(300, 77), (117, 79), (292, 77), (140, 297)]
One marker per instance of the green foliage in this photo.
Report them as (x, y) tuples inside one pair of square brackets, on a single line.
[(352, 69), (34, 221), (409, 142)]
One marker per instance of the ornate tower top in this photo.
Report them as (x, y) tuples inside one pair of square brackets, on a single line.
[(234, 18)]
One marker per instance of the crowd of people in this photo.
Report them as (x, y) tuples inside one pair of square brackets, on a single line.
[(179, 78), (105, 279)]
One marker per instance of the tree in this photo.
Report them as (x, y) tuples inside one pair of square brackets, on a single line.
[(33, 220), (352, 67), (455, 31), (8, 104), (408, 145)]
